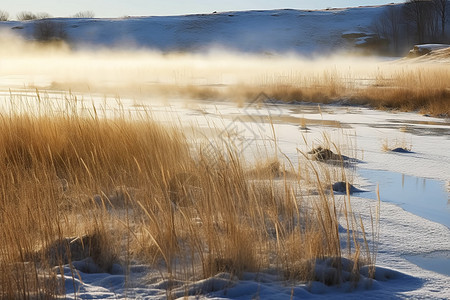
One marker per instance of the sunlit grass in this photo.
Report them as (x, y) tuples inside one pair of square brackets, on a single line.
[(123, 189)]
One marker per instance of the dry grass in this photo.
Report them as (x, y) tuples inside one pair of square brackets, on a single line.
[(60, 174), (421, 88), (417, 87), (113, 189)]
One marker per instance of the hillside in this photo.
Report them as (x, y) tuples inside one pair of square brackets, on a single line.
[(299, 31)]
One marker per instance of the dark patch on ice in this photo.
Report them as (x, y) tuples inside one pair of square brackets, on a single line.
[(341, 187), (306, 129), (401, 150)]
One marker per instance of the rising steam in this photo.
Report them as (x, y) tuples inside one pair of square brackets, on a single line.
[(215, 74)]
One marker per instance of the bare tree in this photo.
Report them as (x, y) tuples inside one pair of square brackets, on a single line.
[(441, 8), (389, 25), (415, 21), (432, 26), (422, 13), (4, 16), (417, 11), (26, 16), (84, 14), (43, 15), (392, 20)]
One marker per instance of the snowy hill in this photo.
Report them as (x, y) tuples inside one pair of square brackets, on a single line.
[(298, 31)]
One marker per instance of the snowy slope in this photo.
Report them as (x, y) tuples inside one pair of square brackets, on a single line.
[(253, 31)]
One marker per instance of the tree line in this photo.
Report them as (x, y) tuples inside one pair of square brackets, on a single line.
[(28, 16), (413, 22)]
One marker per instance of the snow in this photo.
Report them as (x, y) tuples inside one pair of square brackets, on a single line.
[(431, 47), (402, 234), (429, 50), (250, 31)]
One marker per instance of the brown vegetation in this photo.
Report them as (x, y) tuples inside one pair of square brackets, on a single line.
[(4, 15), (84, 14), (77, 186)]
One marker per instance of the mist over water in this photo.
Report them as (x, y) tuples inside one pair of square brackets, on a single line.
[(221, 75), (46, 66)]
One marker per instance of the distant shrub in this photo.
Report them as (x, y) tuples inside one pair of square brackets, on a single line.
[(48, 30), (84, 14), (43, 15), (4, 16), (26, 16)]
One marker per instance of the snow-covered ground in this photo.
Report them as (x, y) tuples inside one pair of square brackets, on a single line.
[(249, 31)]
